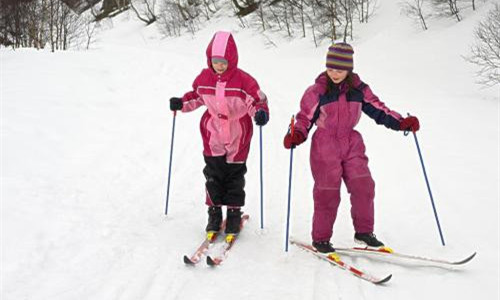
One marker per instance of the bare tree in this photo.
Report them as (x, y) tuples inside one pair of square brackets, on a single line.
[(414, 10), (15, 23), (175, 15), (207, 8), (452, 4), (261, 16), (169, 20), (363, 8), (147, 10), (53, 8), (313, 30), (449, 7), (287, 20), (275, 17), (347, 12), (325, 19), (332, 16), (485, 53), (91, 27), (40, 23), (302, 17)]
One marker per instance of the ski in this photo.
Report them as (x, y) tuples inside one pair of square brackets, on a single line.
[(389, 253), (228, 244), (335, 260), (204, 247)]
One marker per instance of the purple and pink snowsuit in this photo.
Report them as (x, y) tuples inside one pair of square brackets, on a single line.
[(231, 98), (338, 151)]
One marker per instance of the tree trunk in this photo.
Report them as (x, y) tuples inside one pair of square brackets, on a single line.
[(421, 14), (302, 19), (287, 23), (454, 9), (51, 25), (261, 15), (333, 10), (276, 17), (367, 10)]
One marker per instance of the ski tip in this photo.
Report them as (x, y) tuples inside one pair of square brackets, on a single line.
[(211, 262), (188, 261), (383, 280), (466, 260)]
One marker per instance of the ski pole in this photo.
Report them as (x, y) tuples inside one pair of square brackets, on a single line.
[(428, 185), (170, 163), (261, 185), (292, 131)]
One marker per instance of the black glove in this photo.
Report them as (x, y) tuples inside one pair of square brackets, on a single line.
[(175, 103), (261, 117)]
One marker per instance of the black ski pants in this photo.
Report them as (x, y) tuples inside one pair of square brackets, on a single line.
[(225, 182)]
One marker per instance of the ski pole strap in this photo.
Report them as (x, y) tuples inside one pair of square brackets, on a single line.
[(406, 132)]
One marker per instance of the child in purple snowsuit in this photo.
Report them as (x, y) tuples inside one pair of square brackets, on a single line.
[(334, 103)]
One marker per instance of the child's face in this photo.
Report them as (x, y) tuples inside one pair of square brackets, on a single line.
[(337, 76), (219, 67)]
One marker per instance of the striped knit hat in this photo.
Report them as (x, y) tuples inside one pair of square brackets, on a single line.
[(339, 57)]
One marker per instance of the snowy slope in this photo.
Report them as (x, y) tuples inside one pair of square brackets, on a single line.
[(85, 144)]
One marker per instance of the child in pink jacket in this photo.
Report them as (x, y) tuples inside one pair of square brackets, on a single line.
[(232, 98), (334, 104)]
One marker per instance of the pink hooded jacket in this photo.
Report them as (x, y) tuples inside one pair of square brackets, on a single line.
[(231, 98)]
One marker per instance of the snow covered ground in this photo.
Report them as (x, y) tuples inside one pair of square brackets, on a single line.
[(85, 145)]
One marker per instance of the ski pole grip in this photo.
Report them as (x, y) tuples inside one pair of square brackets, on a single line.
[(292, 125)]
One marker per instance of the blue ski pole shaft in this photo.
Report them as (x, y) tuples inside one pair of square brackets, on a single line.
[(292, 131), (428, 187), (170, 163), (289, 197), (261, 185)]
